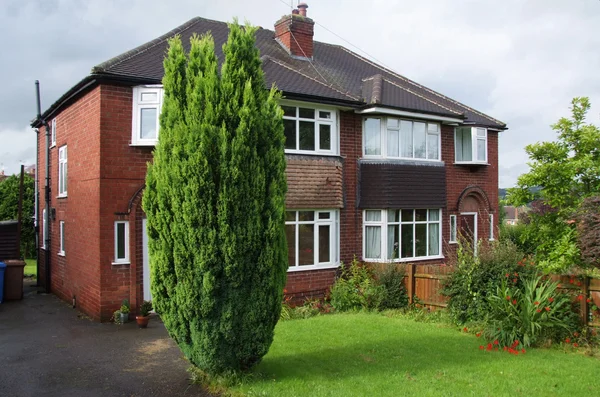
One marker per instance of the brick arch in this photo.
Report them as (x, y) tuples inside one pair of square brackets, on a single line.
[(473, 193), (136, 200)]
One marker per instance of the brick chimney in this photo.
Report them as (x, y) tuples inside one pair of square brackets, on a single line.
[(295, 33)]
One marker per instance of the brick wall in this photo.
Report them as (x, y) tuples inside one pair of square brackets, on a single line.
[(296, 34)]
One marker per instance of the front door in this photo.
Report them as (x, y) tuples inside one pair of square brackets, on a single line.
[(146, 263), (468, 229)]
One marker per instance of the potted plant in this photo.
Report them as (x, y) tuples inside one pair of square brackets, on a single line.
[(124, 311), (144, 316), (116, 317)]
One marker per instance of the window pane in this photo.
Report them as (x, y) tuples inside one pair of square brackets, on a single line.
[(149, 97), (304, 216), (463, 144), (480, 149), (373, 216), (289, 127), (421, 239), (373, 242), (434, 215), (393, 123), (419, 140), (289, 111), (420, 215), (432, 128), (148, 123), (406, 141), (324, 215), (393, 143), (290, 234), (324, 115), (325, 137), (434, 239), (373, 137), (306, 245), (407, 241), (324, 244), (290, 216), (453, 228), (481, 132), (307, 113), (121, 241), (393, 242), (393, 215), (407, 215), (307, 135), (432, 147)]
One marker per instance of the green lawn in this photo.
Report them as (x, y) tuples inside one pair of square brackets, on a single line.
[(30, 268), (374, 355)]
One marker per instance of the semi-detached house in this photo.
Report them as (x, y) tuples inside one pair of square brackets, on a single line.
[(378, 166)]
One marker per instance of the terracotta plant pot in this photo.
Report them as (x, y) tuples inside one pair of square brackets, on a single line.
[(142, 321)]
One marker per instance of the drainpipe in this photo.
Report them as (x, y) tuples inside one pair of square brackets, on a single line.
[(47, 189)]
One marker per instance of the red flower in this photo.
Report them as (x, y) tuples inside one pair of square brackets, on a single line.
[(508, 298), (496, 342), (579, 297), (515, 344), (536, 303), (523, 351), (465, 329), (588, 300), (505, 348), (514, 280), (550, 299), (516, 274), (547, 308), (507, 274), (478, 334), (538, 310), (495, 349), (576, 334), (480, 347), (568, 340), (575, 345), (571, 281), (489, 346), (514, 302), (579, 283)]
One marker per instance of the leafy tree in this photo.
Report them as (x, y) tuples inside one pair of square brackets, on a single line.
[(215, 201), (9, 209), (566, 171)]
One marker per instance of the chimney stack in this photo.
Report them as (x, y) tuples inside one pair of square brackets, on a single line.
[(295, 33)]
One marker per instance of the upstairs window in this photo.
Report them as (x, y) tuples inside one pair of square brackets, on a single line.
[(62, 171), (393, 138), (470, 145), (310, 130), (147, 104), (53, 133)]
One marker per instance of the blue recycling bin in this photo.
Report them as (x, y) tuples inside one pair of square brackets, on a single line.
[(2, 269)]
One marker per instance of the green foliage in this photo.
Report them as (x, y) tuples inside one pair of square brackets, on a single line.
[(356, 289), (9, 209), (517, 235), (125, 308), (529, 313), (215, 204), (391, 279), (567, 171), (145, 308), (565, 253), (474, 277), (310, 308)]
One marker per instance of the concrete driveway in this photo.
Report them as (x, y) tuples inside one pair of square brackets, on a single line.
[(49, 349)]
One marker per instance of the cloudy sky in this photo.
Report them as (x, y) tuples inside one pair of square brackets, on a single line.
[(521, 61)]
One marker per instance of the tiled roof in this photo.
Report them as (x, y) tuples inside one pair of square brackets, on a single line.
[(335, 74)]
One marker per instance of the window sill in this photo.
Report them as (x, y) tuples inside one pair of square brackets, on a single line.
[(452, 242), (404, 260), (400, 159), (312, 267), (52, 146), (144, 144), (310, 152), (61, 254), (471, 163), (120, 263), (64, 196)]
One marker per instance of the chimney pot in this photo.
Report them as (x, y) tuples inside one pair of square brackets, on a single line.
[(302, 9), (295, 11)]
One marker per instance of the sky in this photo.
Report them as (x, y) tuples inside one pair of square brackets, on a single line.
[(520, 61)]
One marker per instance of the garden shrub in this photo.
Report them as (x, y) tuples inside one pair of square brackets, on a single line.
[(391, 279), (474, 277), (529, 313), (356, 289)]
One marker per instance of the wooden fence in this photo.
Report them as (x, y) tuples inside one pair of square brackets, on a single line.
[(424, 284)]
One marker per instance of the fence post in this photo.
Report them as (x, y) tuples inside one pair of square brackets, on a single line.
[(584, 303), (410, 270)]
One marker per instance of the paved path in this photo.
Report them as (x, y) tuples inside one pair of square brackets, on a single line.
[(49, 349)]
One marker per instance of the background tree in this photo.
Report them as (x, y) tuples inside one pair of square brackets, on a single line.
[(566, 171), (9, 209), (215, 204)]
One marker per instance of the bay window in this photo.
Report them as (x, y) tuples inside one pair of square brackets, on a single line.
[(470, 145), (400, 235), (309, 130), (312, 238), (389, 137)]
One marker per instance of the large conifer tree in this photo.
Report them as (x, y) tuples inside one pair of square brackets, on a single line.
[(215, 204)]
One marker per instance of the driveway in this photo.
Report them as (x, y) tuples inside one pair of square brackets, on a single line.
[(49, 349)]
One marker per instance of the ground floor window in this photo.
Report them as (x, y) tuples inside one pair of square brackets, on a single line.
[(397, 235), (312, 238), (121, 242)]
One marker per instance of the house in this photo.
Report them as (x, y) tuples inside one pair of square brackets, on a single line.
[(511, 214), (378, 166)]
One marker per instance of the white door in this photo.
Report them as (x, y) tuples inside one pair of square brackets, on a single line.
[(146, 262)]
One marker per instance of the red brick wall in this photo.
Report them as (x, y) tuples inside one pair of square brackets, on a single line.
[(296, 34)]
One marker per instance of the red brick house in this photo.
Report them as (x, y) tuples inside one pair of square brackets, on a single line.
[(378, 166)]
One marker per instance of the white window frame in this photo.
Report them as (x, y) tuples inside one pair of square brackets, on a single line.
[(53, 133), (62, 171), (491, 220), (334, 227), (44, 229), (383, 138), (333, 122), (125, 259), (453, 229), (474, 147), (61, 238), (138, 105), (384, 236)]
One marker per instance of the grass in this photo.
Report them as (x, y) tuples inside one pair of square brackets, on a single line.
[(30, 267), (365, 354)]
